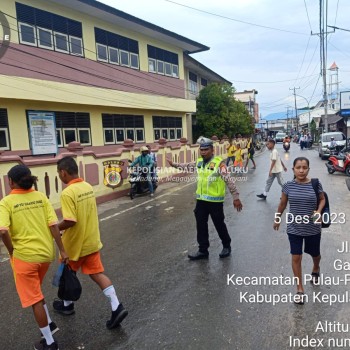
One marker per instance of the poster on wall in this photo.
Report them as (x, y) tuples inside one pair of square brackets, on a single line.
[(42, 129)]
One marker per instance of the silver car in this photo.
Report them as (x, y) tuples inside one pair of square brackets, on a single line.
[(325, 140)]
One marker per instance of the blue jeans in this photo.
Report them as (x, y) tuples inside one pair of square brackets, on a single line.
[(149, 180)]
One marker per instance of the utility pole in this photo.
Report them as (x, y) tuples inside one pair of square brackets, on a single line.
[(295, 105), (323, 53)]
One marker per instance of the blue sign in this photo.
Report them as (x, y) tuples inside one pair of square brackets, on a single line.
[(345, 112)]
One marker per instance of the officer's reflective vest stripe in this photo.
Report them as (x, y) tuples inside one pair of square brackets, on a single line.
[(210, 186)]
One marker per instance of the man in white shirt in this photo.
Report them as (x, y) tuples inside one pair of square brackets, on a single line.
[(275, 171)]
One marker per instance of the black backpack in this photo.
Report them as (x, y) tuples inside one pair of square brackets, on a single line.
[(326, 213)]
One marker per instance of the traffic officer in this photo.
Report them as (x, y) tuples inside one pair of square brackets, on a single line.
[(212, 178)]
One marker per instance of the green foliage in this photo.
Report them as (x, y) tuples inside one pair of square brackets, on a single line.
[(219, 113)]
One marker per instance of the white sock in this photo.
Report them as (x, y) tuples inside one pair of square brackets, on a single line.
[(109, 292), (67, 302), (47, 314), (265, 193), (46, 332)]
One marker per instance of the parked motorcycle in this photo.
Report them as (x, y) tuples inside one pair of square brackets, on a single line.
[(139, 183), (286, 146), (340, 162)]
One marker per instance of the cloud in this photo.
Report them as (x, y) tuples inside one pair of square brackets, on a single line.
[(243, 52)]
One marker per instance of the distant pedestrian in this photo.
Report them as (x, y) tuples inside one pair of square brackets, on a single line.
[(231, 149), (28, 223), (251, 152), (238, 157), (81, 238), (303, 203), (275, 171)]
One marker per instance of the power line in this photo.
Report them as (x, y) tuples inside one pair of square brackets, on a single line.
[(307, 14), (234, 19)]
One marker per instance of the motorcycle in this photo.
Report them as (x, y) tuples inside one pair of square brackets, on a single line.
[(139, 183), (286, 146), (340, 162)]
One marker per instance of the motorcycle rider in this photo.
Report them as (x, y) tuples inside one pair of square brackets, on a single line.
[(286, 140), (144, 160), (154, 167), (333, 143)]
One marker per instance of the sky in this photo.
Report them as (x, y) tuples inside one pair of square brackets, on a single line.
[(250, 55)]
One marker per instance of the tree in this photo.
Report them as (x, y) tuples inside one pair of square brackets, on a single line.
[(219, 113)]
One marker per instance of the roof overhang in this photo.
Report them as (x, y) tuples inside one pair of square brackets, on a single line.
[(110, 14)]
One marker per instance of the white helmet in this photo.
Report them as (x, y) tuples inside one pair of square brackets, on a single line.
[(143, 149)]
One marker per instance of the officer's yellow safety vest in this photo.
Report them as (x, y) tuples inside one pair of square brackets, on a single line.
[(210, 186)]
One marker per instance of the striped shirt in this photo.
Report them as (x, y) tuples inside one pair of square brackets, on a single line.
[(302, 203)]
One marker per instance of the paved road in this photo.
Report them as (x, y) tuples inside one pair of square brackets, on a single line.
[(174, 303)]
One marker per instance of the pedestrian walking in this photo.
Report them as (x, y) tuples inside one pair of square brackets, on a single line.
[(276, 168), (238, 157), (251, 152), (303, 203), (28, 223), (231, 149), (81, 238), (211, 185)]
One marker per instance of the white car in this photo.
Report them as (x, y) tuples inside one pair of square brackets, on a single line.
[(280, 137), (325, 141)]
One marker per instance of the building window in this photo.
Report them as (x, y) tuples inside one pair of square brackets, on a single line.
[(4, 130), (76, 46), (59, 138), (69, 135), (49, 31), (193, 86), (124, 58), (152, 65), (162, 62), (102, 52), (134, 61), (113, 55), (122, 127), (168, 70), (116, 49), (61, 42), (204, 82), (160, 67), (45, 38), (119, 135), (73, 126), (167, 127), (108, 136), (27, 34)]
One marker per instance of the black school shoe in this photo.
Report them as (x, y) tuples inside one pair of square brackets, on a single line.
[(117, 317), (225, 253), (42, 345), (262, 196), (58, 306), (198, 256)]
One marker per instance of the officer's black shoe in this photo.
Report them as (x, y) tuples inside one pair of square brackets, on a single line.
[(198, 256), (225, 252)]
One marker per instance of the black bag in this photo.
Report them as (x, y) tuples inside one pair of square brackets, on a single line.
[(251, 149), (70, 287), (326, 213)]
